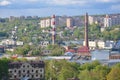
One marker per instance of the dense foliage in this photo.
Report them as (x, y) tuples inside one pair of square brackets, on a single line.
[(4, 68), (56, 50), (28, 50), (109, 33), (29, 31)]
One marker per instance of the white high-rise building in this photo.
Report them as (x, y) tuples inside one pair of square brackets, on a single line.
[(48, 22), (95, 19), (43, 23), (69, 22), (110, 21), (107, 21)]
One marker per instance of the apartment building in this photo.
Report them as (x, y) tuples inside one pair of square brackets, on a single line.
[(69, 22), (100, 44), (96, 19), (47, 22), (110, 21), (32, 70)]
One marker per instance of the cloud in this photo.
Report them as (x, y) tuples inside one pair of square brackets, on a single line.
[(5, 3), (32, 0), (115, 7), (107, 1), (60, 2), (67, 2)]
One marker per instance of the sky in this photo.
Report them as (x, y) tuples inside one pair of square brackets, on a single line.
[(45, 8)]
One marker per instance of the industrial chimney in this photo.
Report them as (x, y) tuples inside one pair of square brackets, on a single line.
[(86, 30)]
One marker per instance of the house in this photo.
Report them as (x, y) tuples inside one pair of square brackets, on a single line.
[(44, 43), (92, 44), (84, 53), (32, 70)]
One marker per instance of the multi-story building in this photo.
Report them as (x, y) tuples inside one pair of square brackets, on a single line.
[(48, 22), (92, 44), (100, 44), (91, 19), (110, 21), (107, 21), (42, 23), (32, 70), (69, 22), (96, 19), (12, 18), (62, 21)]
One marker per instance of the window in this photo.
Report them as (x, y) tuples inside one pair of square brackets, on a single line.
[(36, 71), (32, 76), (10, 71), (10, 75), (41, 75), (23, 66), (28, 66), (40, 70), (15, 71), (23, 70), (36, 75), (27, 75), (28, 71), (23, 75), (19, 71), (15, 76)]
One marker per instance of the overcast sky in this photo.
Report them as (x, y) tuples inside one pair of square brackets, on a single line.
[(58, 7)]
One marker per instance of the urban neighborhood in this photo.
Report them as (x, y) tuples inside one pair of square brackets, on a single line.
[(59, 47)]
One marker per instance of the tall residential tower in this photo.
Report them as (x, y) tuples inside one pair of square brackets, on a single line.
[(53, 30)]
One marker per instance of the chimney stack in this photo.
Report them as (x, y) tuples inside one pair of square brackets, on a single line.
[(86, 30)]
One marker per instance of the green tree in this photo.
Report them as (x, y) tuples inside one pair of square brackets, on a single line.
[(114, 73), (4, 68), (60, 70)]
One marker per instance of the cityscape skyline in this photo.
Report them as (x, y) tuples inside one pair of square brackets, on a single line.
[(64, 7)]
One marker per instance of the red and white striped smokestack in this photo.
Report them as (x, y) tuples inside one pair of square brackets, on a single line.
[(53, 29), (86, 30)]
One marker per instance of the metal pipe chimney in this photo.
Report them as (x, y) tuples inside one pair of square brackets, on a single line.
[(86, 30)]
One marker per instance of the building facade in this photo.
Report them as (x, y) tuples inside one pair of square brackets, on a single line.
[(43, 23), (100, 44), (96, 19), (110, 21), (33, 70), (69, 22), (48, 22)]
